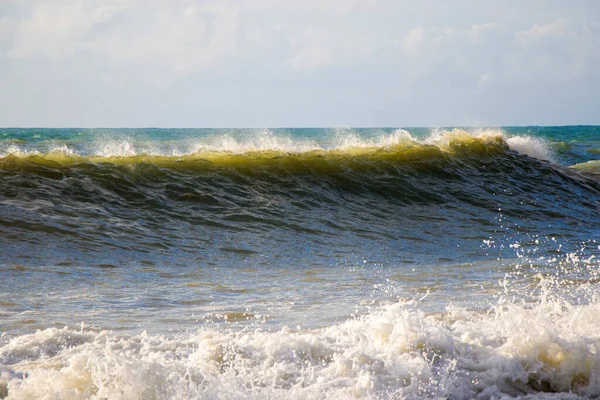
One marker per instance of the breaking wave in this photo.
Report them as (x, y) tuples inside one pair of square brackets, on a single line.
[(268, 145), (203, 220), (548, 347)]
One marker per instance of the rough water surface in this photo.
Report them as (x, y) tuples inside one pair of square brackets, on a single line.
[(300, 263)]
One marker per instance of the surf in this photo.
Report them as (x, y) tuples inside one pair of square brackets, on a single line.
[(546, 346), (267, 148)]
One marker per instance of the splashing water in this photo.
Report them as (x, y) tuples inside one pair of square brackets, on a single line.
[(300, 264)]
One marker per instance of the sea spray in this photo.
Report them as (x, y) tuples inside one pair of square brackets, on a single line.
[(299, 263), (514, 348), (110, 146)]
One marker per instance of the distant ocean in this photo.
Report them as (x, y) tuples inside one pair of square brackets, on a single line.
[(300, 263)]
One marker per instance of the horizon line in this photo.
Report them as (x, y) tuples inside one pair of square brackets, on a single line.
[(304, 127)]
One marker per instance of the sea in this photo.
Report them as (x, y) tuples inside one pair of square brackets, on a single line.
[(341, 263)]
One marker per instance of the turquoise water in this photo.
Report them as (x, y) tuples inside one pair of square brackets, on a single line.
[(300, 263)]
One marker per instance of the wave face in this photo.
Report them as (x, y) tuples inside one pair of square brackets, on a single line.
[(381, 187), (356, 263)]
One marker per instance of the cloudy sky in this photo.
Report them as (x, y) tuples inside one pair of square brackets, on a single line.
[(283, 63)]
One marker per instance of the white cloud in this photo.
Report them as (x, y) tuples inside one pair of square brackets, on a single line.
[(191, 36), (7, 31), (315, 55), (157, 36), (230, 48), (557, 28), (476, 33), (556, 52), (444, 34), (4, 26), (413, 40), (483, 80), (329, 7), (51, 30)]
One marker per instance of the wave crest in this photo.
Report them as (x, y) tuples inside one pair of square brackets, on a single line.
[(266, 147)]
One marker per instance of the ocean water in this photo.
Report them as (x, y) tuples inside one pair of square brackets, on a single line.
[(300, 263)]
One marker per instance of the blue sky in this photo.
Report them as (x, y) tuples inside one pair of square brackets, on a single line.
[(279, 63)]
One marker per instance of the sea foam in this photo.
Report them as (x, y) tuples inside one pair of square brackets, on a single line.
[(341, 140), (513, 349), (533, 147)]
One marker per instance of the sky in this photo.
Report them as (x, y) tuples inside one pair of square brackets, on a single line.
[(308, 63)]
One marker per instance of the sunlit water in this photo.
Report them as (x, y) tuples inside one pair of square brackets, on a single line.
[(300, 263)]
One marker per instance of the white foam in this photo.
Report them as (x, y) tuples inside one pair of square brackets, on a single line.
[(347, 139), (115, 148), (21, 152), (63, 149), (512, 349), (17, 151), (533, 147), (266, 140)]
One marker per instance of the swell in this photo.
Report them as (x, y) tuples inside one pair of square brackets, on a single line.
[(408, 172), (467, 189)]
